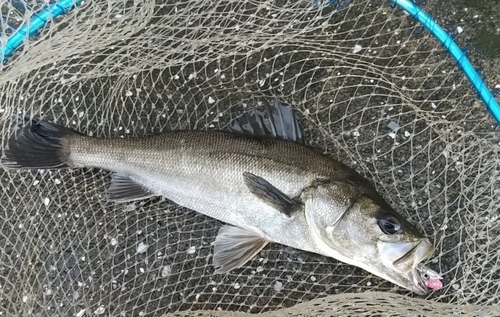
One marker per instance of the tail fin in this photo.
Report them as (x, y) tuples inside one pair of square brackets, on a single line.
[(38, 145)]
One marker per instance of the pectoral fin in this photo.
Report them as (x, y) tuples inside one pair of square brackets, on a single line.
[(236, 246), (270, 194), (123, 189)]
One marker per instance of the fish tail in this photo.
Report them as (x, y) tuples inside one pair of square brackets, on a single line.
[(38, 144)]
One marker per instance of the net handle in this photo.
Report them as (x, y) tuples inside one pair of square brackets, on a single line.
[(455, 51), (34, 25)]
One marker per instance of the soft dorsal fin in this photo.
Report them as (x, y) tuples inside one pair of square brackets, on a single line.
[(277, 120)]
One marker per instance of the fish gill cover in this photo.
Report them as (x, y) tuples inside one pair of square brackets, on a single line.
[(369, 85)]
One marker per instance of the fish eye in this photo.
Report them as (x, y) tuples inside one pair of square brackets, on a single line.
[(389, 225)]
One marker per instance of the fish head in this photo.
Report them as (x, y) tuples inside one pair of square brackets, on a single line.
[(359, 228)]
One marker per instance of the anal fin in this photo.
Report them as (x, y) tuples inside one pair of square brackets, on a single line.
[(123, 189), (236, 246)]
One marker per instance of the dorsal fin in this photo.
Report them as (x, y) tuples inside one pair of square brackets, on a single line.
[(277, 120)]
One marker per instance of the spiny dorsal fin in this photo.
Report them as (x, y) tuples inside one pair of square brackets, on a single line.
[(123, 189), (270, 194), (236, 246), (277, 120)]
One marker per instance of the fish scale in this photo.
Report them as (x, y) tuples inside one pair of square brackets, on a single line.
[(184, 167)]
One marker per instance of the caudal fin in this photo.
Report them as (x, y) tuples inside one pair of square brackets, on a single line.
[(38, 145)]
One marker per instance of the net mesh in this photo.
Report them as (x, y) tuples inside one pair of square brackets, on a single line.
[(370, 87)]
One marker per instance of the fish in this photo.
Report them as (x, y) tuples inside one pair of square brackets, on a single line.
[(259, 177)]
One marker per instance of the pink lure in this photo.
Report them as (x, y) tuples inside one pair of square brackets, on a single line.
[(434, 284)]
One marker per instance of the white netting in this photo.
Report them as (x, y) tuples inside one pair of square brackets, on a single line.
[(369, 85)]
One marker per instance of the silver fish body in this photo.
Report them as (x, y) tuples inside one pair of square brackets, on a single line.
[(203, 171), (268, 189)]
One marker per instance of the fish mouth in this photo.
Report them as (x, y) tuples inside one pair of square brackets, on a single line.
[(404, 259)]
